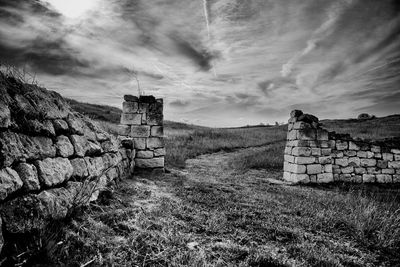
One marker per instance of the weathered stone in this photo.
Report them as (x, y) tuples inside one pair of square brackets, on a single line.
[(124, 130), (292, 135), (129, 107), (377, 155), (326, 151), (373, 170), (328, 168), (362, 154), (396, 178), (382, 164), (301, 151), (126, 142), (394, 164), (297, 178), (112, 174), (302, 143), (155, 113), (368, 162), (140, 131), (396, 157), (9, 182), (301, 125), (154, 142), (348, 169), (308, 118), (304, 160), (369, 178), (19, 147), (350, 153), (354, 161), (101, 137), (79, 168), (5, 117), (143, 107), (325, 160), (75, 124), (306, 134), (110, 146), (395, 151), (54, 171), (93, 149), (296, 113), (370, 154), (157, 131), (325, 177), (288, 150), (360, 170), (294, 168), (376, 149), (36, 127), (95, 166), (314, 169), (144, 118), (150, 163), (324, 144), (322, 135), (60, 126), (353, 146), (288, 158), (158, 152), (144, 154), (29, 176), (336, 169), (384, 178), (131, 98), (342, 145), (345, 177), (337, 154), (387, 156), (80, 144), (388, 171), (64, 148), (344, 162), (315, 151), (131, 119)]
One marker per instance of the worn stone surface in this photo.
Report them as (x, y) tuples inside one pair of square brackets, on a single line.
[(130, 107), (95, 166), (144, 154), (60, 126), (150, 163), (301, 151), (111, 145), (29, 176), (64, 148), (131, 119), (131, 98), (53, 171), (9, 182), (80, 169), (80, 144), (76, 125), (140, 131)]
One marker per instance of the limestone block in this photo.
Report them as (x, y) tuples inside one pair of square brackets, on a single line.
[(95, 166), (322, 135), (294, 168), (9, 182), (286, 175), (53, 171), (304, 160), (360, 170), (342, 145), (154, 142), (60, 126), (344, 162), (302, 143), (300, 125), (324, 144), (289, 158), (143, 107), (307, 134), (111, 146), (313, 178), (396, 178), (314, 169), (347, 170), (80, 144), (124, 130), (325, 177), (290, 126), (368, 162), (157, 131), (362, 154), (325, 160), (350, 153), (394, 164), (377, 155), (150, 163), (64, 148), (144, 118), (354, 161), (144, 154), (369, 178), (158, 152), (130, 107), (382, 164), (292, 135), (395, 151), (332, 144), (336, 177), (388, 171), (356, 179), (155, 114), (336, 169), (29, 176), (140, 143), (140, 131), (326, 151), (370, 155), (387, 156), (80, 169), (374, 170), (376, 149), (131, 118), (337, 154), (384, 178), (353, 146), (345, 177), (288, 150), (296, 178), (328, 168), (301, 151), (315, 151)]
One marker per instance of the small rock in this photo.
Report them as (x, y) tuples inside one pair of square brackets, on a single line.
[(64, 147), (192, 245), (9, 182), (29, 176)]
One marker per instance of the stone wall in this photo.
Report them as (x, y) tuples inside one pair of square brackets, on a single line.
[(142, 120), (51, 159), (314, 155)]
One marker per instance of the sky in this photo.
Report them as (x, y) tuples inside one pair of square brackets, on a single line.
[(216, 63)]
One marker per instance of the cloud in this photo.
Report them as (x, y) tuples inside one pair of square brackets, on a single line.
[(179, 103)]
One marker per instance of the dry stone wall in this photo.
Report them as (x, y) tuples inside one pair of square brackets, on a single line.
[(142, 120), (51, 159), (314, 155)]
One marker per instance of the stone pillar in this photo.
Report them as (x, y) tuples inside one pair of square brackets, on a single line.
[(308, 151), (142, 119)]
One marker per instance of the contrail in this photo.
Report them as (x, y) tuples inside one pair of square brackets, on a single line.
[(319, 34), (206, 15)]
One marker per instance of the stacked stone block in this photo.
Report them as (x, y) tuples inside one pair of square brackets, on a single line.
[(314, 155), (50, 157), (142, 120)]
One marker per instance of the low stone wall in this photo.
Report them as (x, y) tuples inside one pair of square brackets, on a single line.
[(51, 159), (142, 120), (314, 155)]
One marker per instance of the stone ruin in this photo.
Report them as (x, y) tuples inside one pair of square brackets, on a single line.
[(315, 155), (53, 159)]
